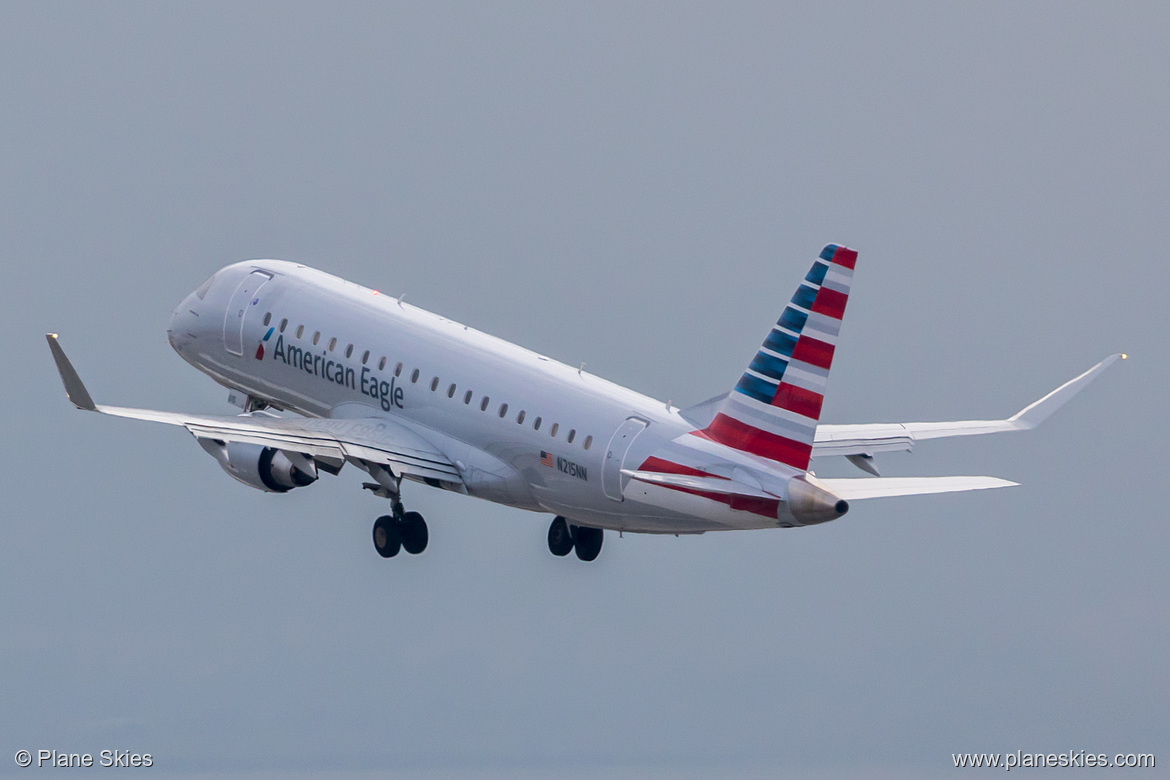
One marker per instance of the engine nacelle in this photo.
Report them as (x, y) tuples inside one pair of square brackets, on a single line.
[(810, 503), (264, 468)]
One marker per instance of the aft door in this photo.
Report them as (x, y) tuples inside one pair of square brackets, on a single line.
[(615, 455), (242, 300)]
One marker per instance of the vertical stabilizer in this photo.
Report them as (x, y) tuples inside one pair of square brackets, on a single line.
[(773, 409)]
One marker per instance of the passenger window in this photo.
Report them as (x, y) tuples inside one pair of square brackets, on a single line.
[(414, 377), (588, 441), (332, 343), (451, 391), (300, 331), (283, 324), (503, 409), (536, 424), (382, 363), (316, 338), (467, 397), (349, 350), (553, 430), (365, 357), (267, 317), (398, 370), (483, 405), (520, 418), (572, 435), (434, 384)]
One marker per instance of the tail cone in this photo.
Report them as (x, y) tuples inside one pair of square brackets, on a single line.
[(811, 504)]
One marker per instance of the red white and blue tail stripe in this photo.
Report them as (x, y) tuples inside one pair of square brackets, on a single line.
[(773, 410)]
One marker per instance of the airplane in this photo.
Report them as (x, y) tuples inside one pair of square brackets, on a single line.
[(404, 394)]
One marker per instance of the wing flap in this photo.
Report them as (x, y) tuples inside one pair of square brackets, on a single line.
[(371, 440), (322, 448)]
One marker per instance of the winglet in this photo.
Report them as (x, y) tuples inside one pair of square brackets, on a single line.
[(1035, 413), (73, 386)]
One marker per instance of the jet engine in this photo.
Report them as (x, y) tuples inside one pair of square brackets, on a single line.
[(264, 468), (810, 503)]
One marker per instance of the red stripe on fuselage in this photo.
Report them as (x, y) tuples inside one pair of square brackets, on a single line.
[(813, 352), (746, 438), (670, 467), (830, 303), (797, 399), (768, 507), (845, 257)]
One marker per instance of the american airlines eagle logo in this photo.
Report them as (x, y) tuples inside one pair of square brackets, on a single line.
[(361, 377), (260, 346)]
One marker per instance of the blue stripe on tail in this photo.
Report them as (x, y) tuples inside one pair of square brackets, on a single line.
[(768, 365), (804, 296), (780, 343), (816, 274), (754, 387), (793, 320)]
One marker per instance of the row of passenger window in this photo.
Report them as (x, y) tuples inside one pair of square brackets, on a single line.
[(414, 375)]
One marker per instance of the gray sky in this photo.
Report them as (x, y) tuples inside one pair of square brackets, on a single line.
[(640, 187)]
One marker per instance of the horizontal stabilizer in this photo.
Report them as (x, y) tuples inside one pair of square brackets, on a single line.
[(884, 487)]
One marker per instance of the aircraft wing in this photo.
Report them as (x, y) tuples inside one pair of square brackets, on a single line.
[(373, 441), (864, 440)]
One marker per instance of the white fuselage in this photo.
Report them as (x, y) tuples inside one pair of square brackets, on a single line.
[(523, 429)]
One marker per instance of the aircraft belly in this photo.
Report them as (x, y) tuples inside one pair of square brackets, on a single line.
[(711, 512), (655, 509)]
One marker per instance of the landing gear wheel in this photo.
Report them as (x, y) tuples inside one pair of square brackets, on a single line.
[(413, 530), (560, 539), (589, 543), (387, 539)]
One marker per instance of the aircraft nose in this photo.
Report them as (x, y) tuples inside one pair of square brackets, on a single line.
[(183, 327)]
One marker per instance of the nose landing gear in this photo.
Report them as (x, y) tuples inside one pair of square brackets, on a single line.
[(563, 537)]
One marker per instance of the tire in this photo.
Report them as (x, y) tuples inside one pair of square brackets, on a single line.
[(413, 530), (589, 543), (387, 539), (560, 539)]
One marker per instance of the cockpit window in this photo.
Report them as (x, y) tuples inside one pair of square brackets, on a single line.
[(203, 288)]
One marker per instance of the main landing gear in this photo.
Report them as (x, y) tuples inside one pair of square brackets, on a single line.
[(564, 538), (400, 531)]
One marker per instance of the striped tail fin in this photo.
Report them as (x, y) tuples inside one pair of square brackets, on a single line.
[(774, 408)]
